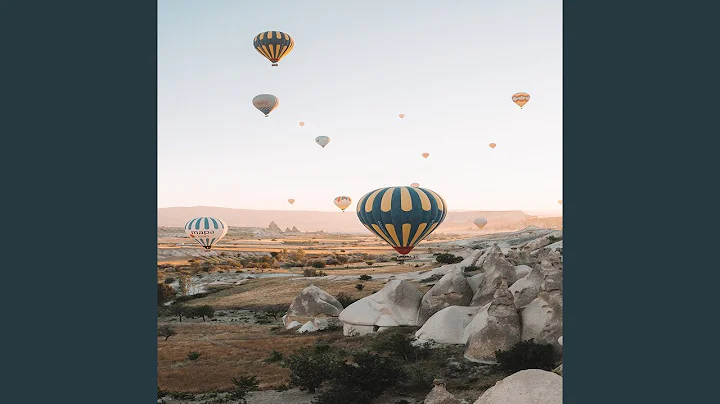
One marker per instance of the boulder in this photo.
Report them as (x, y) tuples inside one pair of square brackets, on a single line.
[(527, 289), (448, 325), (496, 268), (293, 324), (452, 289), (543, 241), (310, 303), (475, 281), (317, 324), (501, 328), (438, 395), (397, 303), (532, 386), (513, 256)]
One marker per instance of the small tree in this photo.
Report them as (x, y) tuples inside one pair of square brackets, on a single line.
[(365, 277), (203, 311), (359, 286), (244, 385), (345, 299), (179, 310), (310, 368), (165, 293), (166, 331), (526, 355)]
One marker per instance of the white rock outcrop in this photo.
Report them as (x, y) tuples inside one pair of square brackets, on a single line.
[(448, 325), (496, 328), (532, 386), (312, 302), (451, 290), (397, 303)]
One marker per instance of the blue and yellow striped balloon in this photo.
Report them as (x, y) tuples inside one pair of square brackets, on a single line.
[(274, 45), (206, 230), (402, 216)]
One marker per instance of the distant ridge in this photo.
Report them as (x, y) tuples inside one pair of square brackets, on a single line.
[(308, 220)]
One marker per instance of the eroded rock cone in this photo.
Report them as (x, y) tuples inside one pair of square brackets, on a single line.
[(447, 326), (542, 318), (513, 256), (310, 303), (452, 289), (501, 329), (526, 258), (439, 395), (532, 386), (526, 289), (496, 267)]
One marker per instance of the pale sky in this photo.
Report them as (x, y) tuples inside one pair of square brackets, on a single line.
[(451, 67)]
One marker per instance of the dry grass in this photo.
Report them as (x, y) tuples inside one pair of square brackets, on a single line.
[(261, 293), (226, 351)]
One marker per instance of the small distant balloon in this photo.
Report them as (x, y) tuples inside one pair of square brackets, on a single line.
[(301, 124), (480, 222), (291, 201), (322, 141), (401, 116), (265, 103), (560, 201), (207, 231), (343, 202), (426, 155), (521, 99), (415, 185), (274, 45), (492, 145)]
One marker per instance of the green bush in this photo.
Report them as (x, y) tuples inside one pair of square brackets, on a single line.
[(202, 311), (193, 356), (369, 372), (526, 355), (165, 293), (275, 356), (365, 277), (243, 385), (310, 368), (420, 375), (472, 268), (318, 264), (345, 299), (359, 286), (337, 394), (397, 342), (169, 280), (369, 263), (333, 261), (447, 258)]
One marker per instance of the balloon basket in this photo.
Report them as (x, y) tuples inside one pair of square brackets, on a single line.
[(274, 64)]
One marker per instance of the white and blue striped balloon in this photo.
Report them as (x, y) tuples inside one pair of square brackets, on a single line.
[(207, 231)]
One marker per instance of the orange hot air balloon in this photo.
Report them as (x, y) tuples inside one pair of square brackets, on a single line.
[(301, 124), (291, 201), (401, 116), (426, 155), (521, 99), (492, 145), (415, 185), (560, 201)]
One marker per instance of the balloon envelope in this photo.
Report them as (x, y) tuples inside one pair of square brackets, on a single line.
[(414, 185), (322, 140), (492, 145), (265, 103), (301, 123), (207, 231), (521, 99), (401, 216), (274, 45), (480, 222), (291, 201), (401, 116), (560, 201), (343, 202), (426, 155)]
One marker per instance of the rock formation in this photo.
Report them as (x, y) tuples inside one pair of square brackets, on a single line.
[(438, 395), (501, 328), (496, 267), (448, 325), (532, 386), (526, 289), (274, 227), (397, 303), (451, 290), (542, 318), (312, 302)]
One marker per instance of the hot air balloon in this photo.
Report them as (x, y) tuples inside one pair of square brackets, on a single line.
[(560, 201), (265, 103), (521, 99), (426, 155), (492, 145), (401, 116), (301, 124), (480, 222), (322, 141), (402, 216), (291, 201), (274, 45), (343, 202), (414, 185), (207, 231)]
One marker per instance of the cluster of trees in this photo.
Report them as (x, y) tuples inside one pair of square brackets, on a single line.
[(182, 310)]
